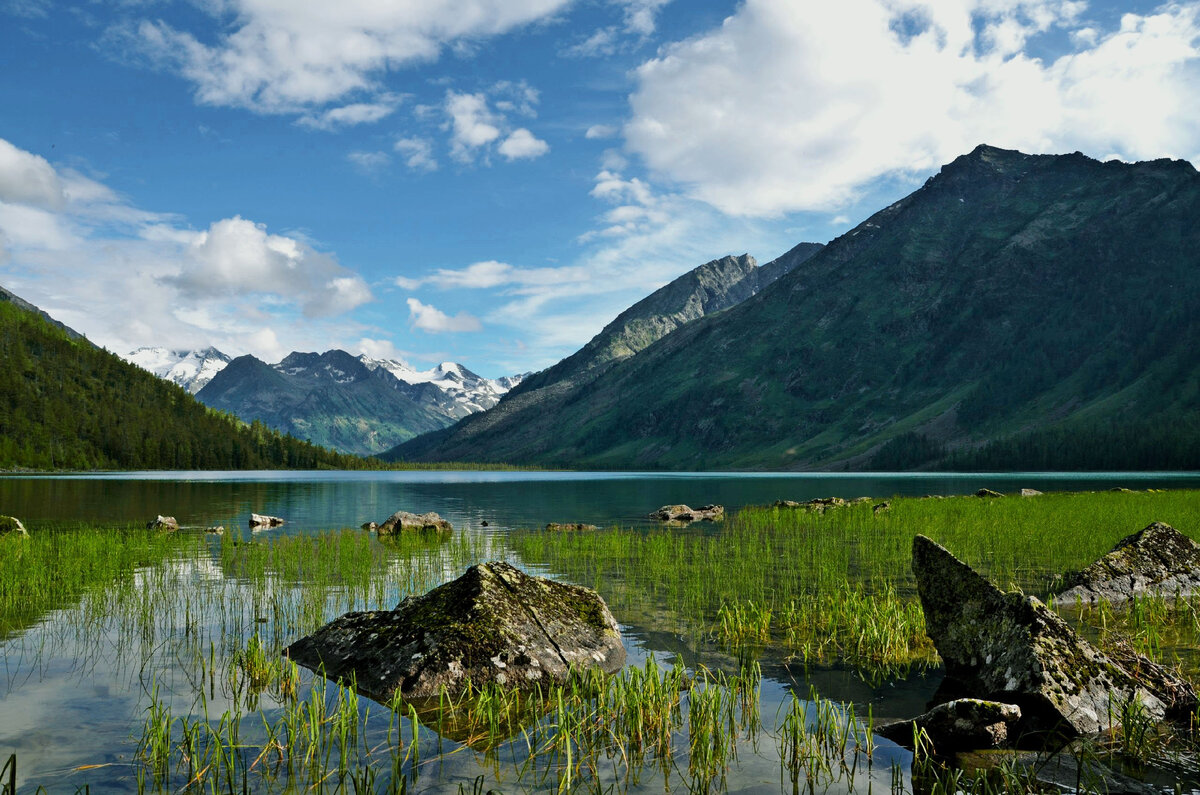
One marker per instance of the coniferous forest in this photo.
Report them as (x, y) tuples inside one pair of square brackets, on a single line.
[(66, 404)]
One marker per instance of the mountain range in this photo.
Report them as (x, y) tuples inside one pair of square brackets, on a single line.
[(1017, 310), (356, 405)]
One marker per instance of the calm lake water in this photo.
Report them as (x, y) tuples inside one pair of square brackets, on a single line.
[(74, 687), (325, 500)]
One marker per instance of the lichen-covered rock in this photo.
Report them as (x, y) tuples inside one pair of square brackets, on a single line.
[(493, 624), (1155, 560), (262, 520), (962, 724), (163, 523), (1011, 648), (988, 493), (401, 521), (556, 527), (12, 525), (682, 513)]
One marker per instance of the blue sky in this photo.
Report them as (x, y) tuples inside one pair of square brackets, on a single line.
[(491, 181)]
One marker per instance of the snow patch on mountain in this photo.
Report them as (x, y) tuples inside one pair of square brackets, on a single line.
[(470, 391), (192, 370)]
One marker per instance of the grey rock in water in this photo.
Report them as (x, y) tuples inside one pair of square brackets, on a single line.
[(216, 530), (493, 624), (556, 527), (262, 520), (1030, 493), (988, 493), (370, 526), (682, 513), (1157, 559), (163, 523), (12, 525), (1011, 648), (962, 724), (403, 520)]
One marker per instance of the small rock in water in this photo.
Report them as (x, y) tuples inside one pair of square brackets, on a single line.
[(484, 523), (495, 623), (988, 493), (216, 530), (12, 525), (403, 520), (369, 526), (163, 523), (1030, 493), (555, 527), (962, 724), (262, 520), (1157, 559), (682, 513), (1011, 648)]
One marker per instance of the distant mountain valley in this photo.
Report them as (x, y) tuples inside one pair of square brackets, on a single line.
[(356, 405)]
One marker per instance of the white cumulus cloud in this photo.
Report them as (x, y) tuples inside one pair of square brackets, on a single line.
[(435, 321), (282, 57), (797, 106), (522, 145), (417, 153), (26, 178)]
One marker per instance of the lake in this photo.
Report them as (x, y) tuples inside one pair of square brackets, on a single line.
[(326, 500), (81, 682)]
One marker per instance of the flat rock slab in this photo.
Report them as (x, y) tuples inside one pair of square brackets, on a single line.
[(493, 624), (682, 513), (1156, 560), (262, 520), (402, 521), (1011, 648)]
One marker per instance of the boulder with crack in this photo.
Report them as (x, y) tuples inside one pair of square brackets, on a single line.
[(493, 624), (1157, 559), (1011, 648)]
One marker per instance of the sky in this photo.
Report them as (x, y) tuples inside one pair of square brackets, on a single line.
[(492, 181)]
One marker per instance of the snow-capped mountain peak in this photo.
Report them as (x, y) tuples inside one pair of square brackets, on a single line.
[(468, 391), (190, 369)]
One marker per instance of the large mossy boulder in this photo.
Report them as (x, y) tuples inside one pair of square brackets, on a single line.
[(493, 624), (1011, 648), (404, 521), (1157, 559), (12, 525)]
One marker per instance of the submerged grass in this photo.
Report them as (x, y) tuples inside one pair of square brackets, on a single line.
[(198, 626)]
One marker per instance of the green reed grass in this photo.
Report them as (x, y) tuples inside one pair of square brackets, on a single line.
[(837, 585)]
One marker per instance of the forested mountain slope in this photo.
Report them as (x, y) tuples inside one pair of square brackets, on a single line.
[(1015, 311), (66, 404)]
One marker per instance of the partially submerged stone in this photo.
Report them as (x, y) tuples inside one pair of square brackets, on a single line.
[(818, 505), (682, 513), (1157, 559), (962, 724), (370, 526), (1012, 648), (259, 520), (1030, 493), (988, 493), (401, 521), (493, 624), (12, 525), (216, 530), (556, 527), (163, 523)]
